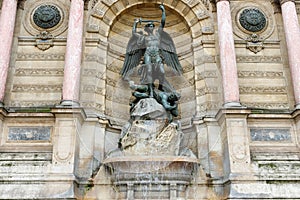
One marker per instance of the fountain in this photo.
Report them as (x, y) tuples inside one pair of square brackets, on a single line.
[(149, 163)]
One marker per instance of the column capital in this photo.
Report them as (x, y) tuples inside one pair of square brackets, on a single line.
[(284, 1), (221, 0)]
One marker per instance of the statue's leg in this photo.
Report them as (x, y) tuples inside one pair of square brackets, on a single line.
[(161, 73), (149, 74)]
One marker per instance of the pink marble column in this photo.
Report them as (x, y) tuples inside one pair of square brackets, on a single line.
[(70, 95), (292, 35), (227, 55), (7, 26)]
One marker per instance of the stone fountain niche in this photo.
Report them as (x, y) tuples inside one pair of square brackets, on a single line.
[(150, 160)]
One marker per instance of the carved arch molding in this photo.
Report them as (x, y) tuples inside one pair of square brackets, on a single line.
[(111, 21)]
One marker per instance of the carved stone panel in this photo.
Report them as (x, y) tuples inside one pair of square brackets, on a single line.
[(270, 134), (29, 133)]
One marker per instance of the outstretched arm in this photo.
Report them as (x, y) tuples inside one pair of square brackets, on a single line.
[(163, 16)]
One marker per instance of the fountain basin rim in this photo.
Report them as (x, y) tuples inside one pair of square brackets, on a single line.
[(151, 159)]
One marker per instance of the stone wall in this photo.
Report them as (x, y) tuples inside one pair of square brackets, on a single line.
[(50, 151)]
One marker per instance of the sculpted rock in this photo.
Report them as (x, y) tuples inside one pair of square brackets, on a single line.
[(148, 109)]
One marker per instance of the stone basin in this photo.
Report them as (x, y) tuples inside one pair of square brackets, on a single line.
[(154, 169)]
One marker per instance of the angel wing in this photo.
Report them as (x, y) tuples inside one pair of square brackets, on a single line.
[(134, 52), (168, 52)]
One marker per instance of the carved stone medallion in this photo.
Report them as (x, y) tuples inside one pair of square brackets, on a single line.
[(252, 19), (46, 16)]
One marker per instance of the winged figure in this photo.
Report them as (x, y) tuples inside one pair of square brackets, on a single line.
[(151, 51)]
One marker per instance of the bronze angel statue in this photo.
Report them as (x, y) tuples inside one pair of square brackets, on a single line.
[(151, 51)]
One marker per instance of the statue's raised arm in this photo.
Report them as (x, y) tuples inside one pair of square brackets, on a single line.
[(163, 17)]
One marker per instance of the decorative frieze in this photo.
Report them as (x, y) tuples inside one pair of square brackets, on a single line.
[(88, 89), (93, 73), (39, 72), (29, 133), (110, 81), (36, 88), (100, 75), (93, 89), (93, 58), (89, 72), (207, 90), (265, 105), (206, 74), (262, 90), (259, 59), (33, 103), (88, 104), (259, 74), (270, 134), (208, 106), (187, 68), (39, 56)]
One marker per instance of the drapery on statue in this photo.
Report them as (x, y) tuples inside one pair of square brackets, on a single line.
[(155, 49)]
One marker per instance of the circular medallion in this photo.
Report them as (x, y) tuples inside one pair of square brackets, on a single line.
[(252, 20), (46, 16)]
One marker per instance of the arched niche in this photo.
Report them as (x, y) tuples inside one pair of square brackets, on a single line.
[(111, 23)]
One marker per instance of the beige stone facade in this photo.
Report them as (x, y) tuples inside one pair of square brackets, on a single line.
[(247, 150)]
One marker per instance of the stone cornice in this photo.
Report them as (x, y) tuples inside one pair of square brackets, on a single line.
[(284, 1)]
